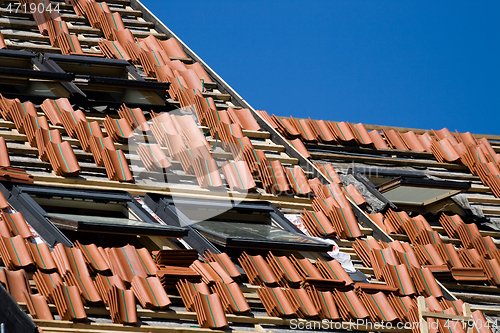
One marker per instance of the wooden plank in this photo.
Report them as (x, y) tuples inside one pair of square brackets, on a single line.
[(386, 161), (491, 211), (78, 29), (70, 18), (74, 142), (444, 239), (474, 287), (127, 11), (453, 176), (64, 326), (368, 150), (486, 309), (482, 200), (279, 201), (250, 134), (40, 48), (479, 189), (219, 96), (484, 233), (421, 131), (427, 314), (48, 324)]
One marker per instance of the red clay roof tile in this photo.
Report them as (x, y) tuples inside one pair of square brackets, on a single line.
[(238, 175), (126, 263), (14, 253), (245, 118), (122, 306), (378, 140), (209, 311), (225, 262), (257, 269), (38, 307), (231, 297), (283, 269), (188, 290), (17, 224), (298, 181), (394, 140), (4, 154), (411, 141), (135, 117), (17, 284), (150, 293), (43, 258), (276, 302)]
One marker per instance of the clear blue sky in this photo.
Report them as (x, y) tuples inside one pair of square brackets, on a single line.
[(422, 64)]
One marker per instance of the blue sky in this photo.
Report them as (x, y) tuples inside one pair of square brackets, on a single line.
[(421, 64)]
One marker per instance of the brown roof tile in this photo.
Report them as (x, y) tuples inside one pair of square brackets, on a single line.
[(378, 306), (209, 311), (394, 140), (17, 284), (43, 138), (231, 297), (94, 258), (352, 192), (120, 130), (122, 306), (286, 127), (4, 154), (283, 269), (257, 269), (243, 117), (321, 130), (211, 272), (378, 140), (350, 306), (135, 117), (62, 159), (238, 175), (303, 128), (317, 223), (116, 165), (276, 302), (126, 263), (114, 49), (150, 293), (361, 134), (43, 258), (188, 290), (468, 274), (46, 282), (425, 282), (105, 283), (17, 224), (14, 253), (411, 141), (224, 261), (267, 118), (342, 131), (38, 307), (298, 181), (329, 172), (398, 276)]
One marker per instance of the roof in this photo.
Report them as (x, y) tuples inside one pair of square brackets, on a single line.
[(139, 189)]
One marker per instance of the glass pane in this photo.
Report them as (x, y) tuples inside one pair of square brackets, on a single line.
[(251, 231), (417, 195), (99, 219)]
